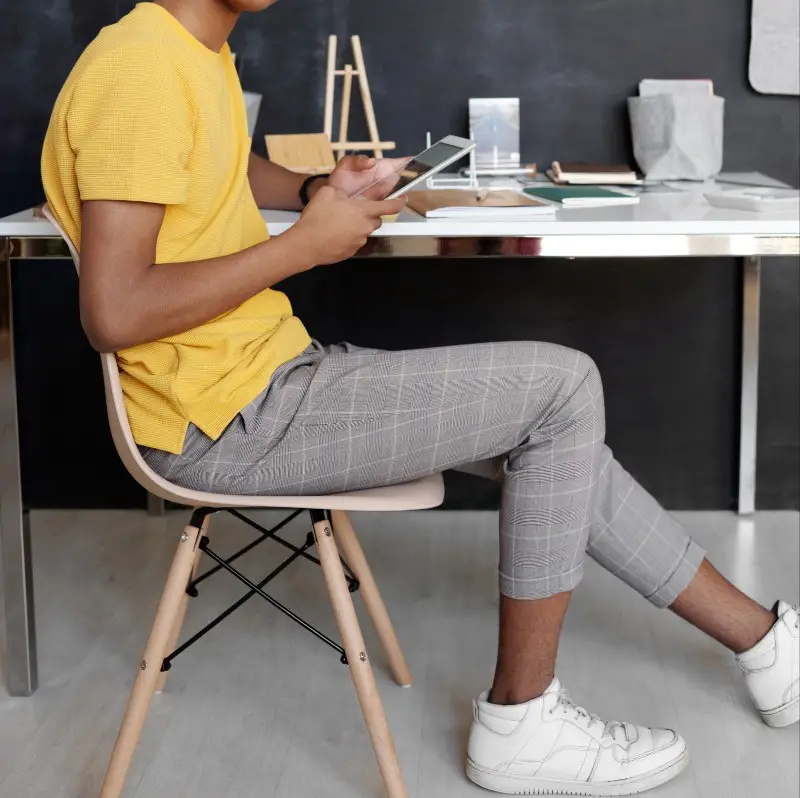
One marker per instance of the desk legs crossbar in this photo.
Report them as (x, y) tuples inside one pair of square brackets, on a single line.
[(257, 588)]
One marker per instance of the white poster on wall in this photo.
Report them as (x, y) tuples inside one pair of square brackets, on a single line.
[(775, 47)]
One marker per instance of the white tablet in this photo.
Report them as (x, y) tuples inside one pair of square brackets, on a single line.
[(416, 171)]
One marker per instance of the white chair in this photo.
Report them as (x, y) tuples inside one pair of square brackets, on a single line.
[(331, 526)]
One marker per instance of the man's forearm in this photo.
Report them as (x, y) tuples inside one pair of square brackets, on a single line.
[(275, 187), (174, 297)]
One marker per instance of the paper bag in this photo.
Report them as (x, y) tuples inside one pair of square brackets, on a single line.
[(677, 136)]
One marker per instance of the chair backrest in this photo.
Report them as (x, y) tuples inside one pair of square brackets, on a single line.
[(121, 433)]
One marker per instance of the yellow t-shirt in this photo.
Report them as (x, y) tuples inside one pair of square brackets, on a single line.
[(149, 114)]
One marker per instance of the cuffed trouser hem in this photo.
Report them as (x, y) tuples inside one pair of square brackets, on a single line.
[(542, 587), (680, 578)]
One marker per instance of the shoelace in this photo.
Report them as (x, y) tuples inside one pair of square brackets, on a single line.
[(571, 708)]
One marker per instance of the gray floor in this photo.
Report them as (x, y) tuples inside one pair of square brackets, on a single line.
[(260, 709)]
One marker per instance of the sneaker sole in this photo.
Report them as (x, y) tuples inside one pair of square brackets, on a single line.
[(784, 716), (510, 785)]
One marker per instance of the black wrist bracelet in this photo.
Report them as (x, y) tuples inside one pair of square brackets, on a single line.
[(304, 198)]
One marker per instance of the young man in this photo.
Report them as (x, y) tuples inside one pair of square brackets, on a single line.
[(147, 167)]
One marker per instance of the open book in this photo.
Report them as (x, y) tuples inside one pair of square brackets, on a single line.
[(469, 204)]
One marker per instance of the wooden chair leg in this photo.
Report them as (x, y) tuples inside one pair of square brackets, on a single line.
[(360, 668), (347, 541), (150, 667), (174, 637)]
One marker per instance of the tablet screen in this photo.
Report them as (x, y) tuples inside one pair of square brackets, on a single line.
[(418, 166), (425, 162)]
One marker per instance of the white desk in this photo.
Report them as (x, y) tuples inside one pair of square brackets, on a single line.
[(662, 225)]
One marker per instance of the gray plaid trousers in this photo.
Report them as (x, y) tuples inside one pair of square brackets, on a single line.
[(531, 415)]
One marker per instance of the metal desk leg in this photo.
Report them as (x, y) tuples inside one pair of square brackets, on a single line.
[(751, 305), (15, 541)]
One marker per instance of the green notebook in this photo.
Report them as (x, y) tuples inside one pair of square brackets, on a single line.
[(582, 196)]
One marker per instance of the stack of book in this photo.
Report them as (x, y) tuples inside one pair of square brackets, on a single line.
[(589, 174)]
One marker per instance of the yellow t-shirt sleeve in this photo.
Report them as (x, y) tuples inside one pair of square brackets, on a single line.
[(130, 126)]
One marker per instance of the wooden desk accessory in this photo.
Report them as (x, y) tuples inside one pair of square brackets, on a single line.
[(317, 153)]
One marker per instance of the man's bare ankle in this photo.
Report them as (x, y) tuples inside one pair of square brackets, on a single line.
[(508, 695), (755, 632)]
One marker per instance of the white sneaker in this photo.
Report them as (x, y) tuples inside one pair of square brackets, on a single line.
[(772, 669), (549, 746)]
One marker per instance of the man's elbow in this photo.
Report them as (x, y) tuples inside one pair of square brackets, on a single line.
[(105, 334)]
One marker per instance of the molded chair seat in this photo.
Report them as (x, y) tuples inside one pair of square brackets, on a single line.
[(421, 494)]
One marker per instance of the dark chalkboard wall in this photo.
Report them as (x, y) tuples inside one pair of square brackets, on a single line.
[(572, 63), (665, 333)]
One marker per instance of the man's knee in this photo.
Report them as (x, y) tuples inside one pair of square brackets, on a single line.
[(590, 374), (568, 361), (582, 389), (571, 376), (581, 374)]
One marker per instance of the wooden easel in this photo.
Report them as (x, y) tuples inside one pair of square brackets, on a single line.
[(348, 73), (316, 153)]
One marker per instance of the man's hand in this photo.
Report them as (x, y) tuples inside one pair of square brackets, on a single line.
[(278, 188), (355, 172), (334, 227)]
